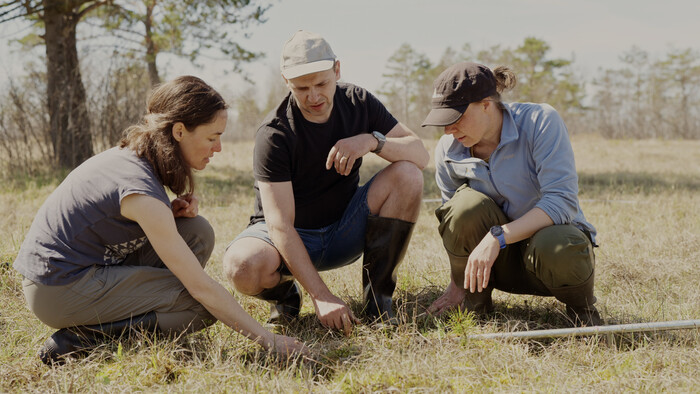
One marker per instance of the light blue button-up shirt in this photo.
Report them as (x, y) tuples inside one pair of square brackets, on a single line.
[(533, 166)]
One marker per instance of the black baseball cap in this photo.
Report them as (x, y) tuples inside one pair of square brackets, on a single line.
[(457, 87)]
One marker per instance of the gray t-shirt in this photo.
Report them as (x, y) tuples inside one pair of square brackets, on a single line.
[(80, 225)]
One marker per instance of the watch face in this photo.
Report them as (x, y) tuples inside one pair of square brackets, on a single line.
[(381, 139), (379, 136), (496, 230)]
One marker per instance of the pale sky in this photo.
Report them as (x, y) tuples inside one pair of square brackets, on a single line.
[(365, 33)]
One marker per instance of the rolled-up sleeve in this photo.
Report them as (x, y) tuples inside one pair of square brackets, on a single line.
[(444, 177), (555, 167)]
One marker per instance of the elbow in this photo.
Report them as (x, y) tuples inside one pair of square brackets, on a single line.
[(201, 292), (422, 158), (569, 209), (560, 213)]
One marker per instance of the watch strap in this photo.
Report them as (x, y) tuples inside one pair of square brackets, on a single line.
[(502, 240), (497, 232)]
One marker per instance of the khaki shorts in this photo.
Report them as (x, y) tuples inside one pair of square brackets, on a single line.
[(140, 284)]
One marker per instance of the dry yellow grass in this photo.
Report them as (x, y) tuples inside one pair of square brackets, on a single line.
[(641, 195)]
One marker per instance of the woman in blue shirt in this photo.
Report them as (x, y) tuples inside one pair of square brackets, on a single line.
[(510, 218)]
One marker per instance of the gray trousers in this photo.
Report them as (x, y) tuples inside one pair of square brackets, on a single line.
[(138, 285), (555, 257)]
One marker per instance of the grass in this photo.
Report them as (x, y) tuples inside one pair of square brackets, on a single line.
[(641, 195)]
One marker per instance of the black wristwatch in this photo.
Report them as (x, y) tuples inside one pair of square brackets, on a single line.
[(497, 232), (381, 139)]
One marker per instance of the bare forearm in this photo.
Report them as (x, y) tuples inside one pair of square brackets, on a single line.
[(214, 297), (526, 226), (224, 306), (294, 252), (158, 223), (409, 148)]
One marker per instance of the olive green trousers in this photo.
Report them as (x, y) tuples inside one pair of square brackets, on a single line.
[(555, 257)]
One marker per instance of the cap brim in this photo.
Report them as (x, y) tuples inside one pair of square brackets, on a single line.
[(444, 116), (308, 68)]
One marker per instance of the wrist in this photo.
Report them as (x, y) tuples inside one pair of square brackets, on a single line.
[(499, 235), (380, 139), (371, 142), (266, 340), (322, 295)]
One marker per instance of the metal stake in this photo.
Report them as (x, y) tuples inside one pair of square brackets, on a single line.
[(595, 330)]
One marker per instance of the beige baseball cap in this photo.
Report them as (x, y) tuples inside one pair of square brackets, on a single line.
[(306, 53)]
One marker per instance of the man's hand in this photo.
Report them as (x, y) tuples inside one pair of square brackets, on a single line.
[(186, 206), (478, 271), (343, 154), (334, 313)]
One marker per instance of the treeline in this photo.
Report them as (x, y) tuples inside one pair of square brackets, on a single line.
[(643, 98)]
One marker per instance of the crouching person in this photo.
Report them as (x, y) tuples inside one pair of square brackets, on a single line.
[(108, 250), (510, 218), (311, 214)]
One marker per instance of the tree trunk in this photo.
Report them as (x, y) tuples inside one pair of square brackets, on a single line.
[(69, 122), (151, 50)]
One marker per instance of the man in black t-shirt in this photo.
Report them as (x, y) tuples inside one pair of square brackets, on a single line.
[(310, 212)]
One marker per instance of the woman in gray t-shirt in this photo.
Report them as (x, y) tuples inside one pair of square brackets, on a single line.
[(108, 250)]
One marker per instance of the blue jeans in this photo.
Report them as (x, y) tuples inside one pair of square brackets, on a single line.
[(333, 246)]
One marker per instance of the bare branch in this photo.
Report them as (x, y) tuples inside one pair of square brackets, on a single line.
[(92, 7), (5, 16)]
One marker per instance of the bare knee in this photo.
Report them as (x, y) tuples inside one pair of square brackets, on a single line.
[(241, 273), (396, 191), (251, 267), (408, 179)]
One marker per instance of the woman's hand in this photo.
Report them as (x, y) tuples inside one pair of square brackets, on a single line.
[(185, 206), (287, 346), (478, 271)]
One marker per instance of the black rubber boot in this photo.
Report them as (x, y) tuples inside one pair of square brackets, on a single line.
[(579, 302), (386, 241), (285, 300), (77, 341)]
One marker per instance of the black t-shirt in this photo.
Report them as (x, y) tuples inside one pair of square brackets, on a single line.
[(290, 148)]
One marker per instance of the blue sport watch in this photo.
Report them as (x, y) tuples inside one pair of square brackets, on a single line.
[(497, 232)]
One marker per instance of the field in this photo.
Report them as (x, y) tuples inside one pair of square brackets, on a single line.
[(643, 197)]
